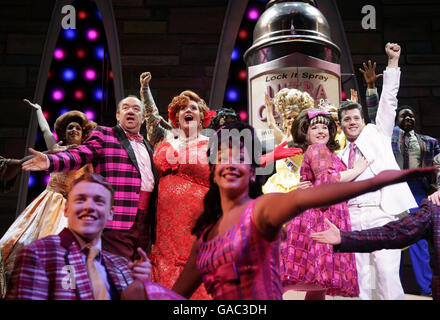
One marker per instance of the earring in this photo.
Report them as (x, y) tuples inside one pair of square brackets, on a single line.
[(253, 179)]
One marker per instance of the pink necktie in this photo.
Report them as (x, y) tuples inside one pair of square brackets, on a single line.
[(351, 155), (135, 136)]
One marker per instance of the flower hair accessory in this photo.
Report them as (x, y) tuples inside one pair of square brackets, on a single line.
[(208, 115)]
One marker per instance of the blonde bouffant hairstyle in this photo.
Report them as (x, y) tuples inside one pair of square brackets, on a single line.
[(287, 100)]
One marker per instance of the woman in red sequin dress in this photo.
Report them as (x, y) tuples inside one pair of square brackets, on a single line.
[(181, 161)]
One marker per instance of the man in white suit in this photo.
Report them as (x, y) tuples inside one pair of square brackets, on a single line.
[(379, 270)]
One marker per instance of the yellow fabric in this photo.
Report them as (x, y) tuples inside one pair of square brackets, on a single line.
[(340, 137), (98, 286), (42, 217), (285, 179)]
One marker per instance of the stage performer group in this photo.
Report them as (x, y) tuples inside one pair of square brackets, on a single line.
[(182, 213)]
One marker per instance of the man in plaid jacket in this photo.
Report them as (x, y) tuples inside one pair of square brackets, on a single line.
[(125, 159), (55, 267), (422, 224)]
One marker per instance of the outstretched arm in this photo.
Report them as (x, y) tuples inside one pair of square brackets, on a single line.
[(44, 126), (273, 210), (72, 159), (393, 235)]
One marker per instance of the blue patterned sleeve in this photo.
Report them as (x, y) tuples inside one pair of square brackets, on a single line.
[(372, 99)]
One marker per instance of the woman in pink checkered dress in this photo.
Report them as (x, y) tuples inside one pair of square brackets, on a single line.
[(306, 265)]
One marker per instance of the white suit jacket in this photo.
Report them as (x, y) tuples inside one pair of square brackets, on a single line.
[(375, 144)]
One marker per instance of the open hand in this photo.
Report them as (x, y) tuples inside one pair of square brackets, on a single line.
[(329, 236), (361, 164), (269, 104), (353, 95), (369, 73), (37, 163), (435, 198), (279, 153), (33, 105)]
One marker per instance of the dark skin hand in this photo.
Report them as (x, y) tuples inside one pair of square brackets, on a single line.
[(369, 73)]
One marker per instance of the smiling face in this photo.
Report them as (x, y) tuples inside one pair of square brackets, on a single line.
[(130, 114), (87, 209), (352, 123), (317, 133), (233, 171), (406, 120), (189, 117), (74, 133), (288, 119)]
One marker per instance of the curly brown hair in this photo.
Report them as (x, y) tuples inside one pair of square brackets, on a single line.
[(301, 125), (65, 119), (182, 100)]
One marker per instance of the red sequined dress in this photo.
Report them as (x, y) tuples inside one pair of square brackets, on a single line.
[(183, 183)]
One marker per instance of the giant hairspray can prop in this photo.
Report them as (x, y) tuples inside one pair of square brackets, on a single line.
[(291, 48)]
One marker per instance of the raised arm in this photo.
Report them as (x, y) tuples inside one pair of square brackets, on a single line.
[(44, 126), (386, 112), (272, 124), (157, 127), (275, 209), (372, 97)]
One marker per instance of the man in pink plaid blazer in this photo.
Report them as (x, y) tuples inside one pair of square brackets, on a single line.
[(55, 268), (125, 159)]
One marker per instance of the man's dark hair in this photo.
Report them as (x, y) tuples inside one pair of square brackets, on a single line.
[(402, 108), (348, 105)]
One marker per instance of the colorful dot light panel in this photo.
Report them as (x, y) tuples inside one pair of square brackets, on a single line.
[(80, 78), (236, 87)]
